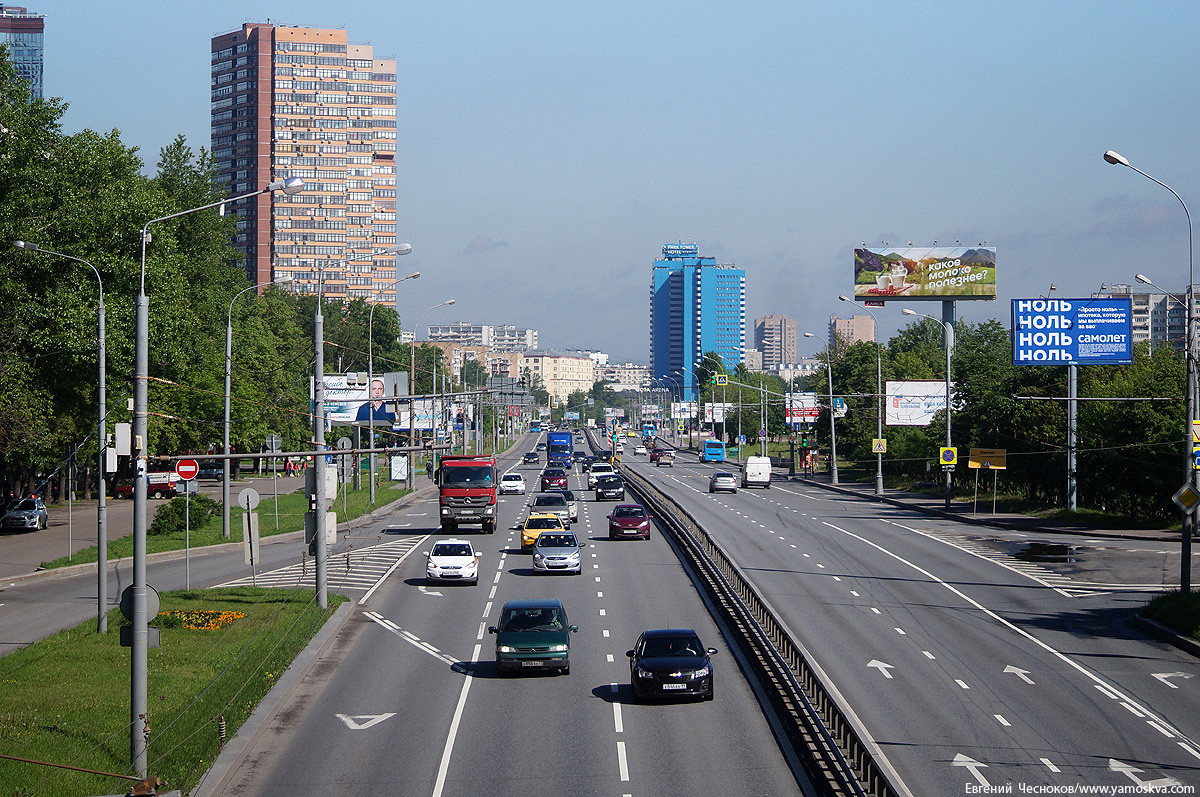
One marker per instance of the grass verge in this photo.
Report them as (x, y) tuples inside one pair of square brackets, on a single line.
[(1179, 612), (65, 699)]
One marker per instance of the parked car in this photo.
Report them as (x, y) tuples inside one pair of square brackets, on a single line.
[(533, 634), (572, 502), (670, 661), (556, 552), (552, 503), (28, 513), (452, 560), (210, 470), (512, 483), (533, 527), (722, 481), (667, 457), (629, 521), (530, 458), (610, 487), (554, 478)]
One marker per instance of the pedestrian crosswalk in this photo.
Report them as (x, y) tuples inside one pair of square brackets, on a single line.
[(355, 569)]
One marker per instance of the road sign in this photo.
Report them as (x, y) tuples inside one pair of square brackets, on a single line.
[(762, 434), (988, 458), (273, 443), (722, 379), (948, 456), (1187, 498), (1196, 431), (1195, 457), (879, 445), (248, 498), (187, 469)]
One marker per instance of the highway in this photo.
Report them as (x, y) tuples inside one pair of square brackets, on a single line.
[(969, 667)]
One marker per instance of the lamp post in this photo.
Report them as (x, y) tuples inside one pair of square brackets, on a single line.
[(280, 280), (1189, 517), (949, 328), (400, 249), (138, 635), (101, 445), (412, 390), (833, 471), (878, 399)]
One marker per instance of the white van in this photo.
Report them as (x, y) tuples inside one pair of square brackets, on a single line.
[(756, 472)]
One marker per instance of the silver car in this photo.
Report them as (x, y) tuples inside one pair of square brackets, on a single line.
[(29, 513), (551, 504), (557, 552), (722, 481), (572, 502)]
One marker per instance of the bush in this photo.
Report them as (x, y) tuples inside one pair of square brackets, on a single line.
[(170, 518)]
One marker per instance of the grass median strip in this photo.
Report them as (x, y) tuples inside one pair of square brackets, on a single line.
[(65, 699)]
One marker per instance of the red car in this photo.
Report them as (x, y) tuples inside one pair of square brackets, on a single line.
[(554, 479), (629, 520), (655, 453)]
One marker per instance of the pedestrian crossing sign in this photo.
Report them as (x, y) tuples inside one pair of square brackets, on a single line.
[(879, 445)]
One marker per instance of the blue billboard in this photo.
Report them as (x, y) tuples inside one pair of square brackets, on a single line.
[(1079, 331)]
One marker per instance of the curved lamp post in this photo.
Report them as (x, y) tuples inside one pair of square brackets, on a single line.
[(101, 446), (401, 249), (280, 280), (833, 471), (878, 398), (949, 347), (412, 389)]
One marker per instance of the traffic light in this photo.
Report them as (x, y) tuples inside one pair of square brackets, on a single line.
[(712, 380)]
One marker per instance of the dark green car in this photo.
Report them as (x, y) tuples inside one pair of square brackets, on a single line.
[(533, 635)]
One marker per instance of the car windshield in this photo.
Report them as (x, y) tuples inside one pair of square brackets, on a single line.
[(557, 541), (448, 549), (467, 476), (28, 503), (512, 477), (548, 619), (629, 511), (672, 646), (550, 500), (543, 523), (554, 473)]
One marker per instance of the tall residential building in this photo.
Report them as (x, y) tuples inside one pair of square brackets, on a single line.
[(561, 374), (852, 330), (501, 338), (775, 338), (24, 33), (305, 102), (1157, 317), (696, 306)]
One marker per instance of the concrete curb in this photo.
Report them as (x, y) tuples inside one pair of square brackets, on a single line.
[(236, 749), (1186, 644)]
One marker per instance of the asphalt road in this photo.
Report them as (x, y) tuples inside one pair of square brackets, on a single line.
[(970, 666)]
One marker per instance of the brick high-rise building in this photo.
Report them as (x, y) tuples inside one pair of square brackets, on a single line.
[(775, 338), (854, 329), (305, 102), (24, 33)]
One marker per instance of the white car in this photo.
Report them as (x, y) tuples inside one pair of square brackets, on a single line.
[(512, 483), (452, 560), (640, 450), (595, 471)]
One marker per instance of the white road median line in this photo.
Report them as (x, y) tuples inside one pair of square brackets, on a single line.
[(458, 711)]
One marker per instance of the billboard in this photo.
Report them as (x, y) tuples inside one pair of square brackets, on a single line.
[(913, 403), (346, 397), (925, 272), (1080, 331), (801, 408)]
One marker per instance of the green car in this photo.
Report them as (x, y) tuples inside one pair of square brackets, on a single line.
[(533, 635)]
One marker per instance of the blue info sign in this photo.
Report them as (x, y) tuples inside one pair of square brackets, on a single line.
[(1065, 331)]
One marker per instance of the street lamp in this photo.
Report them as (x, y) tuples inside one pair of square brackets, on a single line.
[(400, 249), (949, 346), (138, 635), (101, 445), (878, 399), (280, 280), (1189, 518), (412, 389), (833, 472)]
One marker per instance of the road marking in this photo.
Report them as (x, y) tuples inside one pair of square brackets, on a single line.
[(621, 762), (602, 612), (458, 711), (1191, 750), (972, 766), (929, 655), (360, 722), (854, 593), (1159, 727), (609, 657), (1000, 719), (411, 639), (1130, 771), (617, 723), (883, 667), (492, 594), (1162, 676), (1017, 671), (876, 610), (1050, 766), (605, 633), (961, 683), (599, 594), (900, 631), (496, 580), (427, 591), (487, 609)]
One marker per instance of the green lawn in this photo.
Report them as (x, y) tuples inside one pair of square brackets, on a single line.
[(65, 699)]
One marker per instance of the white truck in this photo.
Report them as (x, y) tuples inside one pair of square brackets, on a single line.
[(756, 472)]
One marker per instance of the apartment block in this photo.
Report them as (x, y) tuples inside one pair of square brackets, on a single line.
[(306, 102), (500, 338), (852, 330), (775, 339), (561, 374)]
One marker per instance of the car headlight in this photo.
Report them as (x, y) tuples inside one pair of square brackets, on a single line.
[(489, 510), (505, 649), (644, 673), (558, 648), (537, 557), (573, 557), (703, 671)]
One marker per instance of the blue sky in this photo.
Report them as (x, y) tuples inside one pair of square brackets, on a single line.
[(547, 151)]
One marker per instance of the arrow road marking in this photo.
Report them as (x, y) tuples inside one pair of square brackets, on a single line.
[(1164, 676), (1017, 671), (427, 591), (359, 722), (883, 667), (973, 766), (1130, 771)]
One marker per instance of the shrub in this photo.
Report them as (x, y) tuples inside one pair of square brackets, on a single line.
[(170, 518)]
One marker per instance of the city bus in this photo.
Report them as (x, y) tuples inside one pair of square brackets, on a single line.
[(713, 451), (535, 426)]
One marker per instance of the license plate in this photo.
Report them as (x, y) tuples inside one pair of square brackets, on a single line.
[(674, 686), (531, 664)]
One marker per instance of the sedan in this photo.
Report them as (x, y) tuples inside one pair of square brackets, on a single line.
[(557, 553), (610, 487), (554, 479), (554, 503), (722, 481), (629, 521), (512, 483), (533, 527), (452, 560), (530, 458), (29, 513), (572, 502), (670, 661)]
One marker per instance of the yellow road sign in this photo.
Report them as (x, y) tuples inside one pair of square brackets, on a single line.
[(948, 456), (1196, 431), (1187, 498), (987, 458), (879, 445)]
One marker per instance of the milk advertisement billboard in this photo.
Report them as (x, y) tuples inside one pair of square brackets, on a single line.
[(925, 272)]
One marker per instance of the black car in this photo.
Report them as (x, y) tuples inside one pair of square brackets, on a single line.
[(530, 457), (670, 661), (610, 487)]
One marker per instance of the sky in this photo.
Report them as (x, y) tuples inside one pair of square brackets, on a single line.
[(547, 151)]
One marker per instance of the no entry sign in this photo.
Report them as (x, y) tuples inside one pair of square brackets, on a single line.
[(187, 469)]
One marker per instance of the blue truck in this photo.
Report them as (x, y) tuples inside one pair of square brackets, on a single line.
[(559, 449)]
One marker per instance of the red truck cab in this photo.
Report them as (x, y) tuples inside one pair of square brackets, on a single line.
[(467, 492)]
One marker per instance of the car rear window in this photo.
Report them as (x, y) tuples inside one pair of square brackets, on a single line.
[(550, 500), (629, 511)]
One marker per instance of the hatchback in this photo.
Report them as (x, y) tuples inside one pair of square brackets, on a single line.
[(533, 634), (512, 483), (554, 479), (556, 552), (610, 487), (629, 521), (722, 481), (29, 513), (670, 661), (452, 560)]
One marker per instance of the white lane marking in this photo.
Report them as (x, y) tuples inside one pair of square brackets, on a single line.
[(487, 609), (1158, 727), (900, 631), (597, 579), (496, 580), (621, 762), (854, 593), (1017, 671), (390, 570), (417, 643), (1191, 750), (1132, 709), (599, 594), (961, 683), (1000, 719), (1049, 765), (359, 722), (620, 726), (605, 633), (882, 666), (427, 591), (458, 711), (876, 610), (482, 628), (1162, 676), (609, 657), (972, 766), (492, 594), (602, 612), (928, 655)]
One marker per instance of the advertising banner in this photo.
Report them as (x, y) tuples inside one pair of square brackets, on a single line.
[(683, 409), (925, 272), (570, 416), (913, 403), (716, 412), (346, 397), (801, 408), (1080, 331)]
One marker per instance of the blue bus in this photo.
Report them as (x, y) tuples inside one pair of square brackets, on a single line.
[(535, 426), (714, 451)]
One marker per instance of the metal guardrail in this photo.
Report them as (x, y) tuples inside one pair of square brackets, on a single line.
[(827, 738)]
